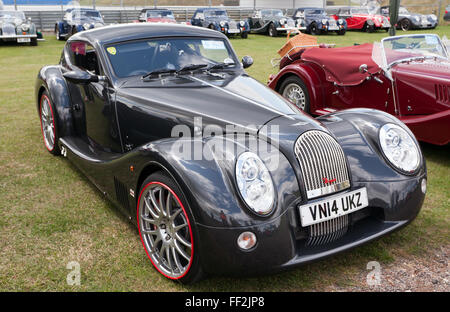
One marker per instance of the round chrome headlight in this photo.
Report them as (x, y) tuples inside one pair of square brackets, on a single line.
[(25, 27), (340, 21), (222, 23), (399, 148), (324, 21), (255, 183), (283, 21), (242, 23), (86, 26)]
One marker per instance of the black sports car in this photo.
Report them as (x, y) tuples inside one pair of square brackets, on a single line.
[(318, 22), (273, 22), (220, 174), (408, 20)]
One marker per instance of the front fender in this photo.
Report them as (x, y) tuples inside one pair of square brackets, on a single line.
[(50, 79), (207, 179)]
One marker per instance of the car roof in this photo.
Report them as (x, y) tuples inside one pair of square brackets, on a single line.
[(81, 9), (136, 31), (311, 8), (155, 9), (210, 9)]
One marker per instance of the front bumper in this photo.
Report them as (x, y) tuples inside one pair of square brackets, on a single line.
[(434, 129), (282, 243), (286, 29), (15, 37), (425, 25)]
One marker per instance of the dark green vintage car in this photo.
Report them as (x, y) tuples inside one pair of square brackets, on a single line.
[(14, 26), (273, 22)]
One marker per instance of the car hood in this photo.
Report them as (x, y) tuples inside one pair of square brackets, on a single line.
[(218, 19), (238, 100), (11, 21)]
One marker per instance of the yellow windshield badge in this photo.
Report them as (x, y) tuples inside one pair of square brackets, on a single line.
[(111, 50)]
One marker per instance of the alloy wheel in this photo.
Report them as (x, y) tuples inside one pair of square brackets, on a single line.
[(165, 230), (294, 93), (47, 123)]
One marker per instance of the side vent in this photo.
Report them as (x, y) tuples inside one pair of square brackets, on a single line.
[(121, 193), (442, 93)]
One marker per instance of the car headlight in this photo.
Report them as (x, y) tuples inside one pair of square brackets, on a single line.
[(25, 27), (324, 21), (340, 21), (255, 183), (283, 21), (86, 26), (399, 148), (433, 17), (416, 18), (222, 24), (242, 23)]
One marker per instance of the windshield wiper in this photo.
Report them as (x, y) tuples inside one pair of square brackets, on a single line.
[(220, 66), (190, 67), (158, 72)]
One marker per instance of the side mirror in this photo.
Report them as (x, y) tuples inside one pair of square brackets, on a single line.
[(363, 68), (78, 76), (247, 61)]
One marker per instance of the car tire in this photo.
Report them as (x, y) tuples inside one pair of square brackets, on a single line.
[(244, 35), (294, 90), (33, 42), (369, 28), (212, 27), (314, 30), (157, 229), (341, 32), (405, 24), (272, 30), (49, 125), (58, 34)]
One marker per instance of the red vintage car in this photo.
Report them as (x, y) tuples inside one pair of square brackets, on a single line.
[(406, 76), (157, 16), (359, 18)]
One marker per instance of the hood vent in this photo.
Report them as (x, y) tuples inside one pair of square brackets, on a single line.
[(121, 194), (442, 93)]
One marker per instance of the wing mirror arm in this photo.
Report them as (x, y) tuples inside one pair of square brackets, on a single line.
[(83, 77), (364, 69)]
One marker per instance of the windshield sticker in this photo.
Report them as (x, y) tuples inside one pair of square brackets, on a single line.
[(111, 50), (431, 40), (213, 45)]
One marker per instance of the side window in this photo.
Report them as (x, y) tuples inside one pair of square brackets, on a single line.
[(199, 15), (83, 56)]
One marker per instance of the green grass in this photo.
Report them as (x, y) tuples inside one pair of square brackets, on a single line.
[(50, 214)]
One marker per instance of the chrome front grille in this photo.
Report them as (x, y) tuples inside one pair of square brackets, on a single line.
[(232, 25), (327, 231), (323, 163), (291, 23), (332, 22)]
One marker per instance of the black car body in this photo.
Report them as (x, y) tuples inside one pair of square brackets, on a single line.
[(14, 26), (273, 21), (218, 19), (76, 20), (318, 22), (407, 20), (246, 168)]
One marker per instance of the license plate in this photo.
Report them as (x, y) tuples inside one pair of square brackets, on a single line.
[(333, 207), (333, 28), (233, 31), (22, 40)]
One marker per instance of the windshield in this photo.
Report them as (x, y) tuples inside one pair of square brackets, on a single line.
[(156, 14), (315, 12), (412, 46), (212, 13), (272, 12), (12, 15), (86, 14), (145, 56), (360, 11)]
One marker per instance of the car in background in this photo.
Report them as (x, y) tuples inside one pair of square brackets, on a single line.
[(407, 20), (218, 19), (405, 76), (359, 18), (157, 16), (76, 20), (14, 26), (318, 22), (447, 13), (220, 174), (273, 22)]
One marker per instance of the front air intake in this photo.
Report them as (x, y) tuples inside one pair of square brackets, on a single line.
[(323, 163)]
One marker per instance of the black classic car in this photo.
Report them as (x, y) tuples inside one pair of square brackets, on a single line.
[(407, 20), (220, 174), (76, 20), (219, 20), (318, 22), (15, 27), (273, 22)]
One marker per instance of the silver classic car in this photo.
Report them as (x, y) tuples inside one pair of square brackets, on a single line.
[(14, 26)]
